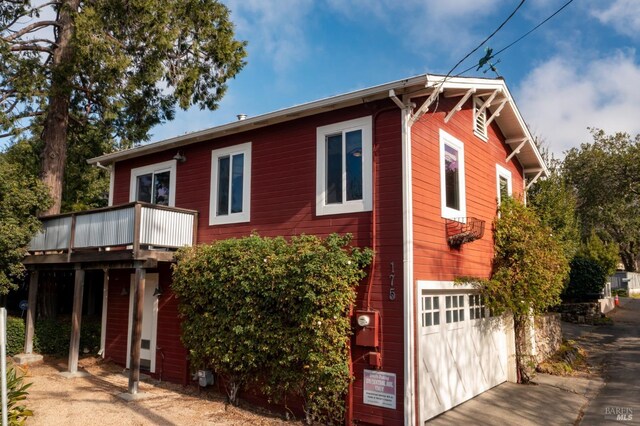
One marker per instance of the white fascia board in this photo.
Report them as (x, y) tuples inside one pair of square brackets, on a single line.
[(326, 104)]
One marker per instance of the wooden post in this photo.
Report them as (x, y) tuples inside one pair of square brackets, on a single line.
[(105, 304), (137, 217), (136, 330), (76, 316), (31, 311)]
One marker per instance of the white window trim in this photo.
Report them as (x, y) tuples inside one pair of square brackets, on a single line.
[(502, 172), (353, 206), (447, 212), (245, 215), (169, 166), (481, 133)]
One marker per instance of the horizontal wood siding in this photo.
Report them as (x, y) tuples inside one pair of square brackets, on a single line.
[(283, 193), (433, 259), (117, 316), (171, 356)]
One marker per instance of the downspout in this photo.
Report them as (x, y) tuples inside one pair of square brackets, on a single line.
[(111, 180), (407, 255)]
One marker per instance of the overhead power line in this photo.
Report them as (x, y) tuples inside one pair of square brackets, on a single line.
[(520, 38)]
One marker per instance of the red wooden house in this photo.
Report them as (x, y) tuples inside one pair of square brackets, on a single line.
[(413, 168)]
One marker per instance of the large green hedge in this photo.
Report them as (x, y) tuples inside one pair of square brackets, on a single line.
[(273, 313), (15, 335)]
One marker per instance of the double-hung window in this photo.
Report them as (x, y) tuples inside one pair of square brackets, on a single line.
[(154, 184), (343, 167), (452, 181), (503, 183), (230, 185)]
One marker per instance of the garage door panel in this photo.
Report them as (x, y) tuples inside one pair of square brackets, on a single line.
[(461, 355)]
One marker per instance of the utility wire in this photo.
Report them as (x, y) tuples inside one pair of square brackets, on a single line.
[(485, 40), (520, 38)]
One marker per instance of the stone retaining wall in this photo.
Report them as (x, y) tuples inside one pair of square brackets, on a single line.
[(580, 313), (548, 335)]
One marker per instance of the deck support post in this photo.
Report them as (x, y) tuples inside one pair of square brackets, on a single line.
[(31, 312), (136, 330), (76, 317)]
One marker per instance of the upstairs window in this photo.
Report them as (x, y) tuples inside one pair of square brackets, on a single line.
[(230, 185), (154, 184), (503, 183), (452, 180), (343, 167), (479, 119)]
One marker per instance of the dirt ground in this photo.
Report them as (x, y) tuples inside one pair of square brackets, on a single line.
[(93, 400)]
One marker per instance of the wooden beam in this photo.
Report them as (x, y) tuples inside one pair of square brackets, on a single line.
[(31, 311), (137, 218), (76, 317), (136, 330)]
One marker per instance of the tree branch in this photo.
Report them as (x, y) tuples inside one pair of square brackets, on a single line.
[(32, 48), (30, 28)]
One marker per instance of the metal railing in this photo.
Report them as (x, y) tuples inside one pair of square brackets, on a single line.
[(134, 224)]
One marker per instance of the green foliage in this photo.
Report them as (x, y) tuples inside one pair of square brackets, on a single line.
[(586, 280), (606, 177), (17, 413), (529, 271), (114, 69), (15, 335), (555, 202), (274, 313), (20, 197), (52, 336), (605, 254)]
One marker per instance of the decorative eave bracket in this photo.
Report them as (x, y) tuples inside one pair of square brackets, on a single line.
[(458, 106), (535, 178), (487, 103), (425, 106), (516, 151), (496, 113)]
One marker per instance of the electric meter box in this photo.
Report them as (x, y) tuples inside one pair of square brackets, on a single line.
[(367, 327)]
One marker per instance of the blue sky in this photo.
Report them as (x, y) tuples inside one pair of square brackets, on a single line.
[(581, 69)]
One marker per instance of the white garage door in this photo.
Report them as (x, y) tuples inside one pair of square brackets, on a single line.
[(463, 350)]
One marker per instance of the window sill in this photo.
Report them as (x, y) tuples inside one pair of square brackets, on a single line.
[(226, 220)]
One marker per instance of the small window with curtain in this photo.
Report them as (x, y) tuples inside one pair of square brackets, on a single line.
[(230, 185), (154, 183), (343, 167), (452, 179)]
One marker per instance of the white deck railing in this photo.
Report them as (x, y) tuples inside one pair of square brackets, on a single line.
[(135, 224)]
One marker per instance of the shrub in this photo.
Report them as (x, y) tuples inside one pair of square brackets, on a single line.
[(586, 280), (273, 313), (52, 336), (16, 393), (15, 335)]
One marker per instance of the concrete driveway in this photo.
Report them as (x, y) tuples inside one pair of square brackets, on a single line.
[(552, 400)]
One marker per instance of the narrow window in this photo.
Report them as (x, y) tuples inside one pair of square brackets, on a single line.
[(503, 183), (452, 174), (334, 169), (343, 168), (452, 180), (230, 184)]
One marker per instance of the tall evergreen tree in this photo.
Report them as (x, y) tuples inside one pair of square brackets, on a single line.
[(97, 75)]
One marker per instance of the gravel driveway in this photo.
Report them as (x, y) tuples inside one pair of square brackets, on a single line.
[(93, 400)]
